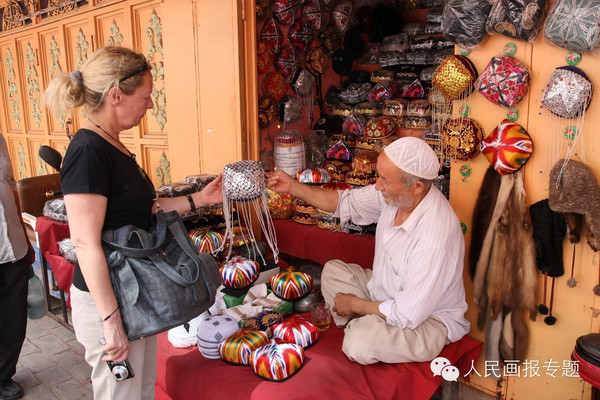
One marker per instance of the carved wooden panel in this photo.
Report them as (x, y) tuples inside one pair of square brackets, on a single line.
[(113, 27), (39, 166), (148, 39), (10, 89), (79, 44), (53, 61), (29, 72), (18, 155), (157, 164)]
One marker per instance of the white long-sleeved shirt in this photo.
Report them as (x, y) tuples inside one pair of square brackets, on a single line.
[(13, 243), (418, 266)]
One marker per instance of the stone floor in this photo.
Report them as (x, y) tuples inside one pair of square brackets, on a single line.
[(51, 365)]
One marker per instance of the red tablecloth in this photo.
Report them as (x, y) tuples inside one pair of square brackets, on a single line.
[(50, 233), (321, 245), (326, 374)]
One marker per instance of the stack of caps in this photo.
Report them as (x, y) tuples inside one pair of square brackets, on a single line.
[(281, 205), (326, 220), (355, 124), (212, 330), (363, 169), (291, 285), (355, 93), (338, 161), (396, 109), (348, 139), (206, 241), (304, 213), (236, 349), (239, 272), (419, 114), (277, 361), (368, 109), (378, 134), (297, 330)]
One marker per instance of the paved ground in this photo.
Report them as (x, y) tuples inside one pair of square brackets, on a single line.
[(51, 366)]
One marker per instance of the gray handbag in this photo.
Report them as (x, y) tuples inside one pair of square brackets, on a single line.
[(159, 278)]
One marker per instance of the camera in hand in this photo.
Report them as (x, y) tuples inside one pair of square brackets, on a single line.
[(121, 370)]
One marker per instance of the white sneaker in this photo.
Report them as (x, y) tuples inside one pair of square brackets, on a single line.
[(185, 335)]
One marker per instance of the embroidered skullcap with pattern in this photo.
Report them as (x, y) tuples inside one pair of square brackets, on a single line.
[(414, 156)]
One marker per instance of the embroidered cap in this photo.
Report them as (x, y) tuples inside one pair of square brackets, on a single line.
[(414, 156)]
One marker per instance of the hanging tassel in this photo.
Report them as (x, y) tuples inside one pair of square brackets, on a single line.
[(597, 287), (550, 320), (542, 308), (572, 282)]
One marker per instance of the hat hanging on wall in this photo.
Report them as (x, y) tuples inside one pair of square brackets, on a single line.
[(271, 34), (341, 15), (263, 8), (573, 25), (290, 109), (508, 147), (461, 138), (303, 83), (284, 11), (565, 99), (504, 81), (517, 19), (299, 35), (267, 111), (316, 15), (274, 85), (264, 56), (463, 22), (455, 77), (286, 62), (329, 39), (316, 62), (244, 184)]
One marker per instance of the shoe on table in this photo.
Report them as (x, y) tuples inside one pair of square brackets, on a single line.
[(10, 390)]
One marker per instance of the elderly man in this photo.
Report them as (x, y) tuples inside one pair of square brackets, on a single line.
[(413, 301)]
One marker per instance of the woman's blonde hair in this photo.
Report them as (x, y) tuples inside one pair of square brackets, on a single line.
[(87, 87)]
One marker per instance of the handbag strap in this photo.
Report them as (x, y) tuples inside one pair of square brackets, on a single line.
[(148, 248)]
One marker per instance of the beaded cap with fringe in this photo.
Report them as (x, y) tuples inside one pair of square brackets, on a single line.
[(244, 183)]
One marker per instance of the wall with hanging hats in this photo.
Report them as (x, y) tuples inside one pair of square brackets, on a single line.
[(570, 305)]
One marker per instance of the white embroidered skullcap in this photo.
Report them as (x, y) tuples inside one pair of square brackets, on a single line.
[(414, 156)]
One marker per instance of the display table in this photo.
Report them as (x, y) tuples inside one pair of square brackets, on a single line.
[(327, 374), (321, 245)]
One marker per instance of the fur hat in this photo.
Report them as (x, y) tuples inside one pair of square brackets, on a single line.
[(575, 189)]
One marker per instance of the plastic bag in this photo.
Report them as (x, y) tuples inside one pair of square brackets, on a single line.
[(517, 19), (55, 210), (463, 21), (67, 250)]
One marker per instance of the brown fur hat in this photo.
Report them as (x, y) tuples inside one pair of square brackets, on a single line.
[(576, 191)]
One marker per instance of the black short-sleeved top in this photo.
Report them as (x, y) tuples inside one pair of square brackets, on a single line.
[(93, 165)]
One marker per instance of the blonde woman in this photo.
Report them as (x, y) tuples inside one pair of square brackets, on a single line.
[(104, 188)]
